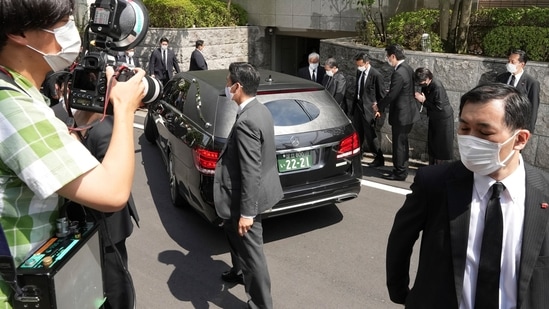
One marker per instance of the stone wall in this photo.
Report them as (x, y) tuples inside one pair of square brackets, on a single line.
[(458, 73), (223, 45)]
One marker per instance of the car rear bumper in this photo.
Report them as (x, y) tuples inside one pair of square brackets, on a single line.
[(315, 195)]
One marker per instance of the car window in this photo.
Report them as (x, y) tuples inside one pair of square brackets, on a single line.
[(291, 112), (176, 92)]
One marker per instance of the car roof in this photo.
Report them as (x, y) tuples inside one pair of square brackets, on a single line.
[(270, 80)]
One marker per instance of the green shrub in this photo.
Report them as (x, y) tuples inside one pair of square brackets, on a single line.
[(534, 40), (407, 28), (189, 13)]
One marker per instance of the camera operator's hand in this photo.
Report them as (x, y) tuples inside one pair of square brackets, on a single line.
[(107, 186), (129, 94)]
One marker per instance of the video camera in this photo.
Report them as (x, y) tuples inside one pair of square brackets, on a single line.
[(117, 25)]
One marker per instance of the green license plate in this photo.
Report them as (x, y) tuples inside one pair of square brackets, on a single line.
[(294, 161)]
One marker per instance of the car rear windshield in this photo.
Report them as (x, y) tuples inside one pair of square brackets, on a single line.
[(291, 112)]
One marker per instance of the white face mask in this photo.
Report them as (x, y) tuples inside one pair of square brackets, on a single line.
[(361, 68), (228, 92), (68, 38), (130, 54), (164, 47), (313, 66), (388, 61), (511, 68), (330, 73), (481, 156)]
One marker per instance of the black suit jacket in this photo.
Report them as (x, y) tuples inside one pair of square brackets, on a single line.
[(159, 69), (403, 108), (439, 209), (119, 223), (304, 73), (336, 85), (528, 86), (372, 92), (125, 59), (246, 180), (197, 61)]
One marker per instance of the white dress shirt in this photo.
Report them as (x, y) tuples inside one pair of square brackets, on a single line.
[(517, 78), (512, 206)]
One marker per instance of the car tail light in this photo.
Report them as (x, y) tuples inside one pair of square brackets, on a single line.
[(205, 160), (348, 146)]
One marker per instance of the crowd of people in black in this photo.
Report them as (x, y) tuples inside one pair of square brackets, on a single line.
[(410, 93)]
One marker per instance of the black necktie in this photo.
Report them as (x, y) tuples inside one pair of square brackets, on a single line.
[(130, 60), (313, 78), (487, 292), (164, 59), (361, 84), (512, 82)]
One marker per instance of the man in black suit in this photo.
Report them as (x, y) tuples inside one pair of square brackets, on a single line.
[(312, 72), (129, 58), (452, 206), (197, 58), (246, 183), (403, 109), (163, 62), (524, 82), (369, 91), (114, 227), (335, 82)]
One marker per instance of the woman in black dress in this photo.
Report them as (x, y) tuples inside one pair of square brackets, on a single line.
[(440, 136)]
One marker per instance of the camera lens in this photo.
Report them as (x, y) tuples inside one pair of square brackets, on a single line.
[(153, 89)]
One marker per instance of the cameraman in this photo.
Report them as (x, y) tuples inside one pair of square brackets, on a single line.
[(40, 162)]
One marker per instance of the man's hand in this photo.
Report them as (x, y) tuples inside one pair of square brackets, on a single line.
[(244, 225), (374, 107)]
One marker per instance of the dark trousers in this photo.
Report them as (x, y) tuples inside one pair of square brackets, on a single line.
[(369, 133), (401, 149), (249, 250), (118, 286)]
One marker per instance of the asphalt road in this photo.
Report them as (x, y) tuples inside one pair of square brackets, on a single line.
[(330, 257)]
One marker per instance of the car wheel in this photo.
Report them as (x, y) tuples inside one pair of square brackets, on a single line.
[(151, 133), (176, 197)]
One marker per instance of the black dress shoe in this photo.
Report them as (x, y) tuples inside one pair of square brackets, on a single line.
[(232, 277), (394, 177)]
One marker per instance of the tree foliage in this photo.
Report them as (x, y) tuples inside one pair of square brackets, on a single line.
[(195, 13), (371, 28)]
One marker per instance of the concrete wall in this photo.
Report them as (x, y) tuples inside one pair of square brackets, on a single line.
[(330, 15), (458, 73), (223, 45)]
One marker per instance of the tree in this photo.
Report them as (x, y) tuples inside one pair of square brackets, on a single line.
[(444, 18), (459, 26), (365, 7)]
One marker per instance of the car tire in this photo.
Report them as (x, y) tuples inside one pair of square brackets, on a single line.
[(151, 133), (177, 199)]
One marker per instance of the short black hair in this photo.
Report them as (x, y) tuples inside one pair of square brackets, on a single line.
[(198, 43), (164, 39), (396, 50), (517, 106), (246, 75), (18, 16), (523, 57), (421, 75), (362, 56)]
